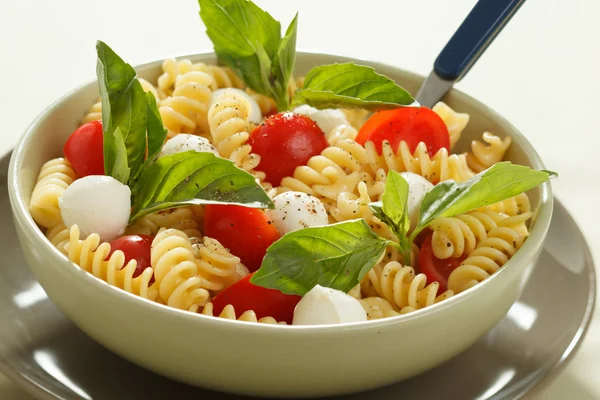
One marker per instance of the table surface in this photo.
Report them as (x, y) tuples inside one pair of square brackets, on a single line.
[(541, 73)]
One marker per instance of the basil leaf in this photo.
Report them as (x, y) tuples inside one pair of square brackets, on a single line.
[(393, 210), (194, 178), (284, 63), (156, 130), (123, 115), (239, 30), (351, 86), (499, 182), (336, 256)]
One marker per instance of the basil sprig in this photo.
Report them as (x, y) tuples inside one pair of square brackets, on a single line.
[(499, 182), (194, 178), (351, 86), (123, 115), (336, 256), (248, 40)]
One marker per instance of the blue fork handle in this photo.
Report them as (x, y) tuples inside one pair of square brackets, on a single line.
[(472, 38)]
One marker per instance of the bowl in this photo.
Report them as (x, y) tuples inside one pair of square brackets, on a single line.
[(256, 359)]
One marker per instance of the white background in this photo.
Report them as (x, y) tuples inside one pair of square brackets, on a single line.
[(542, 73)]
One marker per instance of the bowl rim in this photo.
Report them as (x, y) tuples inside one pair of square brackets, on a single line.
[(22, 216)]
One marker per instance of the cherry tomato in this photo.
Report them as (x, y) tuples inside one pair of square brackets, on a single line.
[(135, 247), (410, 124), (285, 141), (246, 232), (84, 149), (435, 269), (244, 296)]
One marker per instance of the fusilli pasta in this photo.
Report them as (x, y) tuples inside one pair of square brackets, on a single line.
[(182, 218), (54, 178), (93, 257), (401, 288), (378, 307), (490, 254), (176, 271), (512, 206), (455, 236), (442, 166), (59, 236), (185, 111), (248, 316), (487, 152), (455, 122), (217, 267)]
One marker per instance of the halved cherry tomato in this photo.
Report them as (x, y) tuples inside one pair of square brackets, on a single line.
[(247, 232), (285, 141), (135, 247), (84, 149), (244, 296), (410, 124), (435, 269)]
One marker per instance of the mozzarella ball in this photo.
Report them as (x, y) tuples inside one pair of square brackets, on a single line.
[(97, 204), (327, 119), (185, 142), (297, 210), (418, 187), (255, 115), (323, 305)]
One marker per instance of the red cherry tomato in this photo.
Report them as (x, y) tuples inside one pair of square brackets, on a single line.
[(135, 247), (410, 124), (435, 269), (285, 141), (244, 296), (84, 149), (247, 232)]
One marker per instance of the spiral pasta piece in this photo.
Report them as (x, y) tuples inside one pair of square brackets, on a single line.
[(455, 236), (59, 236), (54, 178), (490, 255), (94, 113), (229, 127), (399, 285), (217, 267), (185, 111), (356, 116), (182, 218), (487, 152), (176, 271), (442, 166), (336, 170), (248, 316), (512, 206), (455, 122), (378, 307), (93, 257)]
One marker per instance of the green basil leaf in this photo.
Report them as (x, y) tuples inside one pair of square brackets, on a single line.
[(194, 178), (336, 256), (156, 130), (392, 210), (350, 86), (284, 64), (123, 114), (499, 182), (239, 30), (395, 202)]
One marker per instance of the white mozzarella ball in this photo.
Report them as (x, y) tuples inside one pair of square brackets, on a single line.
[(185, 142), (255, 115), (327, 119), (97, 204), (297, 210), (323, 305), (418, 187)]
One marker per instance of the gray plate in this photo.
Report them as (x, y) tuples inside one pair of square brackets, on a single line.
[(41, 350)]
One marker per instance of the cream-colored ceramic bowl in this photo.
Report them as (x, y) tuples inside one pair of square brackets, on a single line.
[(277, 361)]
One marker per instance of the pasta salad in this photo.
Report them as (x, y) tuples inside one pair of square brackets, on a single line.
[(240, 191)]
